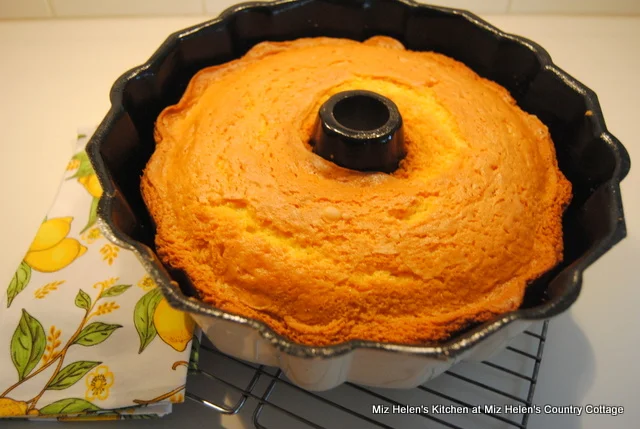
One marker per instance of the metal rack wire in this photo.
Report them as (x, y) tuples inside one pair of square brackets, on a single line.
[(502, 388)]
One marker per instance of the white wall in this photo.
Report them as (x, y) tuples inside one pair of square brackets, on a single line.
[(16, 9)]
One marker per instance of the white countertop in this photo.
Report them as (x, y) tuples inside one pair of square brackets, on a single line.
[(55, 76)]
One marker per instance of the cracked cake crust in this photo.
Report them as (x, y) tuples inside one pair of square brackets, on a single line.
[(265, 228)]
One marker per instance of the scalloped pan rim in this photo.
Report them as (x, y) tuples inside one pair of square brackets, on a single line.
[(571, 275)]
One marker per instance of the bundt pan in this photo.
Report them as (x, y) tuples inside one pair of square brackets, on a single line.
[(591, 158)]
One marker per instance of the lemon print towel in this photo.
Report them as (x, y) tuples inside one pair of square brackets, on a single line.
[(85, 334)]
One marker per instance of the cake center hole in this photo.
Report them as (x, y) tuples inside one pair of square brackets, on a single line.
[(361, 113)]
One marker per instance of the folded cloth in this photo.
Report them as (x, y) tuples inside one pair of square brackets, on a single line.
[(84, 331)]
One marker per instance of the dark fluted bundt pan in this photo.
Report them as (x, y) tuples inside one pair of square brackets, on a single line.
[(590, 157)]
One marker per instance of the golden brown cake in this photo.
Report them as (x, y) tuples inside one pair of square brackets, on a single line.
[(267, 229)]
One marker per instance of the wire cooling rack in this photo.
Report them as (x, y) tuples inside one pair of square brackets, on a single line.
[(502, 388)]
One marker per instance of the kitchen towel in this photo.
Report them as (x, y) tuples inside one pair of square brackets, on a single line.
[(84, 331)]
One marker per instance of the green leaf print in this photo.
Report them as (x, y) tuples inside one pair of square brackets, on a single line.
[(83, 300), (95, 333), (93, 215), (18, 282), (70, 374), (115, 291), (69, 406), (143, 317), (85, 168), (27, 344)]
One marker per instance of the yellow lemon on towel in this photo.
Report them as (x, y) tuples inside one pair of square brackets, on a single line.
[(173, 326), (12, 408), (52, 250), (56, 257), (50, 233), (92, 185)]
